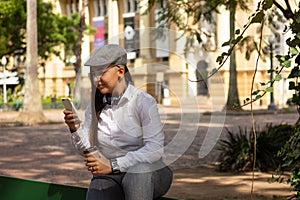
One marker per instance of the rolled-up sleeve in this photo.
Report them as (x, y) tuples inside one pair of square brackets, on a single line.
[(80, 138)]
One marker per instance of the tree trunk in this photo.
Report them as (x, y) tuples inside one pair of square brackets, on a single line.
[(77, 89), (78, 50), (233, 101), (32, 108)]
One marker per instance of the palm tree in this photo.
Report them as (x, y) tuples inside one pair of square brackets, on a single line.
[(233, 100), (32, 108), (204, 10)]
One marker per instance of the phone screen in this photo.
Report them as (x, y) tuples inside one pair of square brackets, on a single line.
[(68, 104)]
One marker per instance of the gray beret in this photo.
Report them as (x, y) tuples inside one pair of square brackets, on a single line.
[(107, 55)]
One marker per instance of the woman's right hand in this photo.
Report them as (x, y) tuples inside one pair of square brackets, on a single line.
[(72, 120)]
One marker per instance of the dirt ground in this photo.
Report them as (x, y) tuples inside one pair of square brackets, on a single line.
[(43, 152), (205, 183)]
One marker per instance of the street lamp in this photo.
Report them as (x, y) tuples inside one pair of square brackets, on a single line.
[(271, 106), (4, 62)]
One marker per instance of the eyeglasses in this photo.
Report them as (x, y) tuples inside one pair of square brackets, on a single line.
[(100, 71)]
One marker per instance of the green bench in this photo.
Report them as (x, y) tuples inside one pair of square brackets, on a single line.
[(18, 189)]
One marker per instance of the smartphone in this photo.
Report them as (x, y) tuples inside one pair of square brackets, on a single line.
[(68, 104)]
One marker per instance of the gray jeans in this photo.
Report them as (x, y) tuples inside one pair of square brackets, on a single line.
[(143, 181)]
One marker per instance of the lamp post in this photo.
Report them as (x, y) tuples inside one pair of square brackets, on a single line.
[(271, 106), (4, 62)]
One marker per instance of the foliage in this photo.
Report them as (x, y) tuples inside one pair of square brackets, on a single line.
[(293, 56), (291, 150), (259, 17), (269, 143), (12, 27), (67, 27), (237, 150), (54, 31), (69, 30), (291, 157), (203, 11), (49, 31), (12, 95), (192, 12), (195, 13), (191, 18)]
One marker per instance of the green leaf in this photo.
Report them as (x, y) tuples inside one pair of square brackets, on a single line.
[(204, 74), (294, 73), (215, 70), (298, 19), (198, 36), (255, 92), (277, 77), (238, 39), (257, 97), (291, 85), (280, 58), (220, 59), (293, 51), (262, 84), (293, 43), (286, 63), (258, 17), (267, 4), (226, 43), (269, 89), (297, 60)]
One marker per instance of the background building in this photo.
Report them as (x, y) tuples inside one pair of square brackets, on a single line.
[(159, 64)]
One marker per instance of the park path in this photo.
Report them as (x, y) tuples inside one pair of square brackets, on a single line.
[(44, 152)]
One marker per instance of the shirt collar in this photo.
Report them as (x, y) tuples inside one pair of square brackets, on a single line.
[(128, 93)]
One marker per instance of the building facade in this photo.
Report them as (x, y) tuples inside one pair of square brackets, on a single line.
[(160, 65)]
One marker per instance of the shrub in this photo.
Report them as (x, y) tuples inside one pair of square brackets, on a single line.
[(237, 149), (291, 159), (269, 143)]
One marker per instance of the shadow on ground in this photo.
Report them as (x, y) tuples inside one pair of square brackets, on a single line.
[(44, 152)]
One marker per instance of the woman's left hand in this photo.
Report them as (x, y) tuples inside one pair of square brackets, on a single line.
[(98, 164)]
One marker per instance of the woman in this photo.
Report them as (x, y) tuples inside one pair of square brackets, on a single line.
[(124, 124)]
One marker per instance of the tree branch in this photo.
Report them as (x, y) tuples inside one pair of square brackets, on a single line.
[(288, 6), (287, 13)]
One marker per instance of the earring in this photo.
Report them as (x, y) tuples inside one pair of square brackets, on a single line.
[(120, 78)]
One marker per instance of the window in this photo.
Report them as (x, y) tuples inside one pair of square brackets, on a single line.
[(131, 6), (161, 4), (100, 8), (72, 6)]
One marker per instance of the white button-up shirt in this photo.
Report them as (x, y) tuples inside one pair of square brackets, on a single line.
[(130, 131)]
